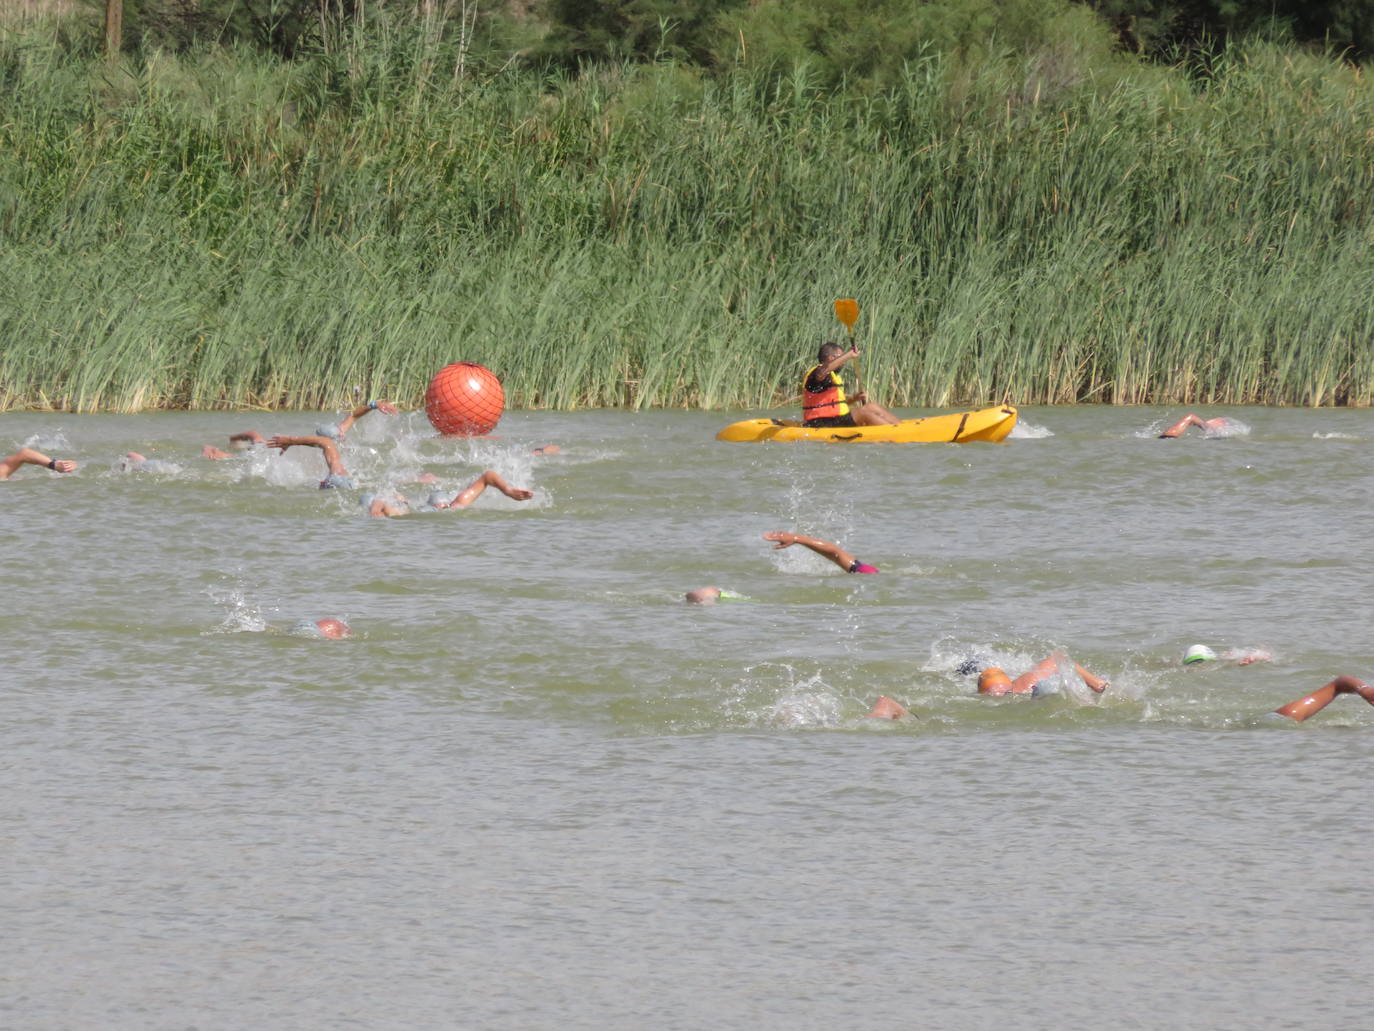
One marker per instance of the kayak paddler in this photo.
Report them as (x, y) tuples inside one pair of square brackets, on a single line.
[(823, 398)]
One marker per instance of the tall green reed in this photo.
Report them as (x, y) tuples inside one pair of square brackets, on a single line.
[(221, 230)]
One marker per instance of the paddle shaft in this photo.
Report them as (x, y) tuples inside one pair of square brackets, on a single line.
[(847, 311)]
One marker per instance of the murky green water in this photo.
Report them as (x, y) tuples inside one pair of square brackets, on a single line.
[(537, 790)]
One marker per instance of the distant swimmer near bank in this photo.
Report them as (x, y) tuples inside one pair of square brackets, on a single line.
[(829, 549), (28, 456), (334, 431), (1217, 427)]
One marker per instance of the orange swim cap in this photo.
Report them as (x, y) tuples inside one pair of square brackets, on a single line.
[(993, 681)]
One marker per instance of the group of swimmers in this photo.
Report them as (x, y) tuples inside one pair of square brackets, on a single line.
[(824, 403), (1041, 679)]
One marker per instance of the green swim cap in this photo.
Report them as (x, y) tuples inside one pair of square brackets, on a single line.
[(732, 596), (1198, 653)]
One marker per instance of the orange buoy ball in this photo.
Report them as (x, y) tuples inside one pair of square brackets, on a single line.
[(464, 400)]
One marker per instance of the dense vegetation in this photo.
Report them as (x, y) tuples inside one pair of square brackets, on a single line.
[(1024, 209)]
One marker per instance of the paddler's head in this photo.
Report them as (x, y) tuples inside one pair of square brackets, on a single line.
[(993, 681), (829, 352)]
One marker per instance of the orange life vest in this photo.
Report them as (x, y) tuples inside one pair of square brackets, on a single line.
[(827, 404)]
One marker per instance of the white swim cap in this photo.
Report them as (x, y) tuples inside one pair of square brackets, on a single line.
[(1198, 653)]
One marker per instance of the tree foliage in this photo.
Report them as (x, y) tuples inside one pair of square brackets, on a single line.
[(595, 30), (1164, 27)]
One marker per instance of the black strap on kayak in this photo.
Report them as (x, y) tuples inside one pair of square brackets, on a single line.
[(955, 439), (841, 436)]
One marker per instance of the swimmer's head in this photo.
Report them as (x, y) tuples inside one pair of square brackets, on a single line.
[(330, 430), (993, 681), (703, 596), (437, 499), (1198, 653), (331, 628), (971, 665)]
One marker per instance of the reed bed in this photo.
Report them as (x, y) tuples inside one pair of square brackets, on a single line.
[(221, 230)]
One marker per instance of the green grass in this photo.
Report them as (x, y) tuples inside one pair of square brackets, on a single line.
[(222, 230)]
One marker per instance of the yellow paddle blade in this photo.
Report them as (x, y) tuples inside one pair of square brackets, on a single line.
[(847, 311)]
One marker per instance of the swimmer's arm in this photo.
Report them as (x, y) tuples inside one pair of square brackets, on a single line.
[(1309, 705), (829, 549), (1178, 428), (380, 509), (385, 407), (1245, 656), (323, 443), (28, 456), (331, 452)]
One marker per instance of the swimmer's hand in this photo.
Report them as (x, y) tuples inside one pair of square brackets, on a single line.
[(386, 408), (783, 538), (281, 442)]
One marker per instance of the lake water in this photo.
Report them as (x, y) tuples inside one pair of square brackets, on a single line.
[(537, 790)]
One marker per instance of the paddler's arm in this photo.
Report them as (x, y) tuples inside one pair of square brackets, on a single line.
[(1309, 705), (834, 364), (832, 551)]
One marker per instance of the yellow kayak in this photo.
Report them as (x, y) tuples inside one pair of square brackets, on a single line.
[(991, 424)]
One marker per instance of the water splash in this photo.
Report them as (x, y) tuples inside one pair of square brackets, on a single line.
[(1029, 431), (241, 616)]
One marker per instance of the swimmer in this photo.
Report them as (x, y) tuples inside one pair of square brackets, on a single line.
[(830, 550), (547, 449), (338, 475), (393, 505), (334, 431), (28, 456), (1309, 705), (239, 441), (1208, 426), (334, 629), (337, 431), (994, 682), (886, 708), (711, 595), (1200, 654), (133, 462)]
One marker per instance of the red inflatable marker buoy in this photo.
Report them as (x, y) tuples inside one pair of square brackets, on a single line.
[(464, 400)]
